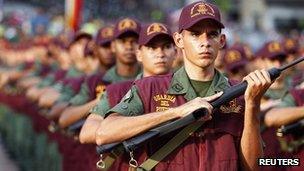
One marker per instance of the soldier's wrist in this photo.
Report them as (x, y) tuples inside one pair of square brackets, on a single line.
[(252, 103), (173, 113)]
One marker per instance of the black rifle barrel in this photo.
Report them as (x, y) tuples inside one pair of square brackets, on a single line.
[(291, 128), (76, 127), (282, 68), (228, 95)]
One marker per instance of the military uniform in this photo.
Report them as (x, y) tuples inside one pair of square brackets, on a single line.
[(95, 83), (113, 94), (236, 60), (215, 145), (295, 97), (89, 89), (272, 50), (212, 147), (43, 69), (112, 76), (70, 85), (51, 78)]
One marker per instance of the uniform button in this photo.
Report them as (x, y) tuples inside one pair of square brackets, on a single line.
[(124, 106)]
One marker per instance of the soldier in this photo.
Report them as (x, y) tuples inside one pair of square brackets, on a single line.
[(102, 48), (74, 75), (125, 42), (289, 111), (235, 61), (294, 76), (273, 55), (123, 45), (156, 52), (102, 51), (56, 48), (223, 141)]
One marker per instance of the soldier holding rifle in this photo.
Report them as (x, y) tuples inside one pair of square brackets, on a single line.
[(230, 137)]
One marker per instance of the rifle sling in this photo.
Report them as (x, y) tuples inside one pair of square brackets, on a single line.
[(165, 150), (113, 155)]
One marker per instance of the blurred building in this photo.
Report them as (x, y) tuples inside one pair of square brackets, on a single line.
[(279, 15)]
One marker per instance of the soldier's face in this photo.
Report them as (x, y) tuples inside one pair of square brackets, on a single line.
[(201, 43), (238, 73), (77, 49), (124, 49), (276, 62), (157, 57), (105, 55)]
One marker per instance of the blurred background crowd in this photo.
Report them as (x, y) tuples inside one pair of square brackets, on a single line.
[(249, 21)]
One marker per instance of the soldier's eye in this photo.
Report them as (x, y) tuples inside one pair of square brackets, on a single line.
[(213, 34), (195, 34), (167, 46), (152, 47)]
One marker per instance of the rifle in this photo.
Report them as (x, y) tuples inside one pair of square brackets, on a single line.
[(228, 95), (294, 128), (76, 127)]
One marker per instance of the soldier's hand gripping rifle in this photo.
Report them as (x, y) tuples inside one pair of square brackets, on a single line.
[(228, 95)]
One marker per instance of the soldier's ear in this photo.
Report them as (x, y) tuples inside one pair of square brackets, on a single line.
[(113, 46), (222, 40), (138, 55), (178, 40)]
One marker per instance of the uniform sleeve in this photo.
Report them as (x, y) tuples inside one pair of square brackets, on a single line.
[(58, 86), (102, 106), (287, 101), (37, 69), (82, 97), (46, 81), (66, 94), (130, 105), (20, 67)]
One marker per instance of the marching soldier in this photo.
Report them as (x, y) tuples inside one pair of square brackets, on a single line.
[(289, 111), (236, 61), (223, 141), (123, 45), (156, 52)]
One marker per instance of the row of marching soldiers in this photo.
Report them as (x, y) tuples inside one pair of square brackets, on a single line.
[(68, 88)]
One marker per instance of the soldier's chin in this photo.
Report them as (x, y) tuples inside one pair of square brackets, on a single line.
[(161, 71), (108, 61), (204, 64), (130, 61)]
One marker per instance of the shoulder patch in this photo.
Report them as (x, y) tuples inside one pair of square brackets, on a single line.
[(128, 96), (177, 87)]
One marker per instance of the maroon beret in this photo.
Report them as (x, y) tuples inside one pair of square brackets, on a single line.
[(126, 25), (150, 31), (105, 35), (81, 35), (195, 12), (235, 57), (290, 45), (273, 50)]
